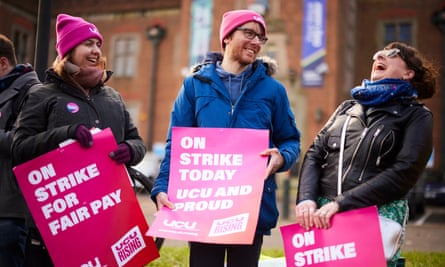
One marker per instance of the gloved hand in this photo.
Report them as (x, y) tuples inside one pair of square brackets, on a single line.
[(82, 134), (122, 154)]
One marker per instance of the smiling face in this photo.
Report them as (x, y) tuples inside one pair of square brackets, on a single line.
[(87, 53), (389, 64), (241, 50)]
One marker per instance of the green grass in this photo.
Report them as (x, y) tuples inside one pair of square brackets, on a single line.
[(178, 257), (171, 257), (424, 259)]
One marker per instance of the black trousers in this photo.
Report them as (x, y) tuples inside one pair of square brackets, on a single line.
[(36, 253), (13, 233), (213, 255)]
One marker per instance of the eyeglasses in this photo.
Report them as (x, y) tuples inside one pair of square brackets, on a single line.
[(251, 34), (389, 53), (393, 52)]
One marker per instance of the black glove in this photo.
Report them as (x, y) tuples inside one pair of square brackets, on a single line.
[(122, 154), (83, 135)]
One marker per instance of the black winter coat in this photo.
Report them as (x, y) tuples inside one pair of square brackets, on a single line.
[(12, 203), (386, 150), (51, 110)]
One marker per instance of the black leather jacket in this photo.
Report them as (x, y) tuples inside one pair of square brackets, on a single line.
[(386, 150)]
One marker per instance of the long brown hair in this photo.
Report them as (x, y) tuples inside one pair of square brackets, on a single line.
[(425, 76)]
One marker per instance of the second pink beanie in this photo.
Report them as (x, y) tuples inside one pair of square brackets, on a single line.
[(72, 31), (235, 18)]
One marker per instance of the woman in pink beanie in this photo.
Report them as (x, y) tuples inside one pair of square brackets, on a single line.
[(72, 31), (236, 90), (73, 100)]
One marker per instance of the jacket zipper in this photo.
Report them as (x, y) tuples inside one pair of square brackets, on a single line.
[(374, 136), (238, 99), (381, 153), (354, 155)]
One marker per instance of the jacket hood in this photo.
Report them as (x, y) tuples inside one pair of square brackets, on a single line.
[(213, 57)]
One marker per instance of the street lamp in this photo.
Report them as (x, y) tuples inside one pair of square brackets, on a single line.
[(438, 19), (42, 38), (155, 34)]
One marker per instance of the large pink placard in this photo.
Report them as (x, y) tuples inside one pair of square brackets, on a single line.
[(216, 182), (353, 240), (85, 208)]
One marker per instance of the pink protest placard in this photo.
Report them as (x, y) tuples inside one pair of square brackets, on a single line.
[(353, 240), (85, 208), (216, 182)]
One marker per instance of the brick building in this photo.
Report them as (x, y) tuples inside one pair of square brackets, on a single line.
[(149, 74)]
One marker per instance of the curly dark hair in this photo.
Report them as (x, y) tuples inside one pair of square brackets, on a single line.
[(425, 73)]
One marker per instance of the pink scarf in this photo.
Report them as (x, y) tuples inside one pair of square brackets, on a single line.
[(87, 77)]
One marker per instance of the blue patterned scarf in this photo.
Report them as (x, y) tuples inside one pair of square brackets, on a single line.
[(380, 92)]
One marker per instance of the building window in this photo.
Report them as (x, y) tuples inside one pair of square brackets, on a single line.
[(260, 6), (125, 50), (21, 41), (401, 31)]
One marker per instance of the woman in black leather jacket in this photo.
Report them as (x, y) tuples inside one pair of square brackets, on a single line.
[(388, 141)]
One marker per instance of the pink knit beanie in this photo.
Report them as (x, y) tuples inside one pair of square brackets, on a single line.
[(235, 18), (72, 31)]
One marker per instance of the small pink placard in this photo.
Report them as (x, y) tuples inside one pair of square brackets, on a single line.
[(353, 240)]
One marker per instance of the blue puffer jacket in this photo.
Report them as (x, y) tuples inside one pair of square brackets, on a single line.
[(203, 101)]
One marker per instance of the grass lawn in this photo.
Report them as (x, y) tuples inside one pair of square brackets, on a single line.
[(178, 257)]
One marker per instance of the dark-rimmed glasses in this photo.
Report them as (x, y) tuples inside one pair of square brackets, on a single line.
[(251, 34)]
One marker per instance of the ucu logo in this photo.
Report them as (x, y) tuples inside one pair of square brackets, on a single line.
[(257, 18), (92, 29), (180, 224)]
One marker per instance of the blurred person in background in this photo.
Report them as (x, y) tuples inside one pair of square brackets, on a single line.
[(15, 82)]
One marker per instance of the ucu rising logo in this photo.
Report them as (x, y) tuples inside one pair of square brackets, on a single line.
[(96, 263), (128, 246), (180, 224)]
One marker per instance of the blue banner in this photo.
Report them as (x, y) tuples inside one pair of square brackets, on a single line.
[(314, 42), (201, 30)]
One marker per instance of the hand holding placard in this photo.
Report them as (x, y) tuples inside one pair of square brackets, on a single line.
[(342, 245)]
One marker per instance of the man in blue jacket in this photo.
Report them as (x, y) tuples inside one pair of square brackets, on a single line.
[(15, 81), (235, 90)]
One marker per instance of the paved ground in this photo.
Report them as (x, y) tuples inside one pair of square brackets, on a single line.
[(425, 234)]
